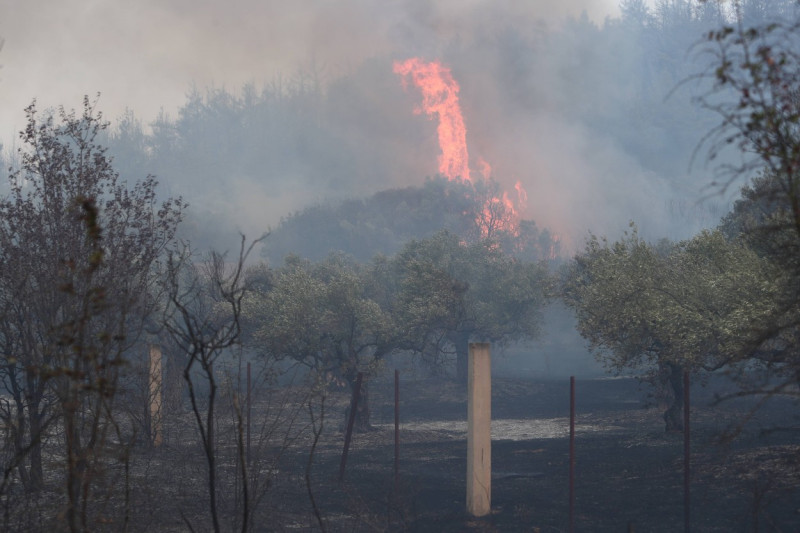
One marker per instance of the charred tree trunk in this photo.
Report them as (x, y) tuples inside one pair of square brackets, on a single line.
[(36, 415), (18, 423), (673, 416), (76, 464), (361, 422), (36, 473)]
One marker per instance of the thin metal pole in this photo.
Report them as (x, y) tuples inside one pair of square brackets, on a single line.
[(686, 453), (396, 426), (350, 421), (249, 404), (572, 454)]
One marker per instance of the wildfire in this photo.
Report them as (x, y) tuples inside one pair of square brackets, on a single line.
[(484, 168), (522, 195), (440, 98), (555, 241)]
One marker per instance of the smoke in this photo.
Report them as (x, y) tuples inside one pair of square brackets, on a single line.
[(144, 55), (550, 98)]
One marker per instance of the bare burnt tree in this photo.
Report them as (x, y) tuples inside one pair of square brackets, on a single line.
[(77, 247), (203, 317), (88, 378), (754, 76)]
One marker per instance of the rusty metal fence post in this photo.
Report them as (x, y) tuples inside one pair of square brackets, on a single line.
[(572, 454), (351, 419)]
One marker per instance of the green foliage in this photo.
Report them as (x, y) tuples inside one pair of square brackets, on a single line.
[(323, 316), (340, 317), (755, 74), (384, 222), (697, 303), (453, 292)]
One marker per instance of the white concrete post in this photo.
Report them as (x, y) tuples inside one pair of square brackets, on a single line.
[(479, 436)]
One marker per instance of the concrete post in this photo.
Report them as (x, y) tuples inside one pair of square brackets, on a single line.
[(479, 437), (155, 394)]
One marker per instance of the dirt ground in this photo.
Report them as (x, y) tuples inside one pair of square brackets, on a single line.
[(629, 472)]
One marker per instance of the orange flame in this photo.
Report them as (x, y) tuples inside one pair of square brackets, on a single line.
[(554, 246), (522, 195), (440, 98), (484, 168)]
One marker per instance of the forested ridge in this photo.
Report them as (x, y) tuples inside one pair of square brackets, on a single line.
[(290, 241)]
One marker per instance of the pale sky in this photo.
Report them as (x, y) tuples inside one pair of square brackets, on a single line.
[(146, 54)]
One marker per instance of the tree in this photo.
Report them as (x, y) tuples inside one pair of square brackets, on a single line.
[(323, 315), (754, 75), (202, 317), (72, 304), (763, 220), (386, 221), (671, 307), (455, 293)]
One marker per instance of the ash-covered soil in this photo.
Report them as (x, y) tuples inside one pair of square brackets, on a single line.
[(629, 472)]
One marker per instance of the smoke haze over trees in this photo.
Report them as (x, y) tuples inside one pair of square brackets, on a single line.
[(576, 107), (373, 260)]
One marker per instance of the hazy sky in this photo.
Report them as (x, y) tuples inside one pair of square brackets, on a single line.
[(145, 54)]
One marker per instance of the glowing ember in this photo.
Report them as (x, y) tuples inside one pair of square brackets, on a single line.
[(440, 98)]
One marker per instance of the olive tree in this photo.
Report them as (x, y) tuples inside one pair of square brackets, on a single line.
[(672, 307), (453, 293), (325, 316)]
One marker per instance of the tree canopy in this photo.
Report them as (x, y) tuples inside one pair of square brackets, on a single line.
[(386, 221), (325, 316), (477, 293), (78, 248), (693, 305)]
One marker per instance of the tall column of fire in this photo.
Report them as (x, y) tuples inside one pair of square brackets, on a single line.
[(440, 99)]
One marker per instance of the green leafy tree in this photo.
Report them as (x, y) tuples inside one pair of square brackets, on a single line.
[(454, 293), (325, 316), (670, 307)]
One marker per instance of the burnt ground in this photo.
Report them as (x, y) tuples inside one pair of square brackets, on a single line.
[(629, 472)]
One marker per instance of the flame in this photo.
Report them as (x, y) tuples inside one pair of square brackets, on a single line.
[(484, 168), (555, 241), (440, 98), (522, 195)]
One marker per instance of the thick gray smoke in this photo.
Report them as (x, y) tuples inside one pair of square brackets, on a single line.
[(561, 96)]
